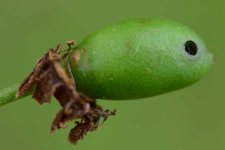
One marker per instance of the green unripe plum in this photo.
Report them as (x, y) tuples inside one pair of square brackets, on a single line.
[(138, 59)]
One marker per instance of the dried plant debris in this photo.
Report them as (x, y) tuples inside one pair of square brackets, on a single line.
[(49, 78)]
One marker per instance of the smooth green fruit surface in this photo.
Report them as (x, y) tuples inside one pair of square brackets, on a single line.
[(139, 58)]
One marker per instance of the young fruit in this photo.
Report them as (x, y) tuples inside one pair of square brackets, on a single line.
[(139, 58), (130, 60)]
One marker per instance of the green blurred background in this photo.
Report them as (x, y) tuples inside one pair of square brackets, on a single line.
[(188, 119)]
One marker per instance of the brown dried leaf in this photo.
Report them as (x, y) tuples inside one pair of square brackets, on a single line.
[(49, 78)]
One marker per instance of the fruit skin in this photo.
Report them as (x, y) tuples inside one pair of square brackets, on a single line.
[(137, 59)]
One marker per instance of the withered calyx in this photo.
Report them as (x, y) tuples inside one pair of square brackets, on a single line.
[(49, 78)]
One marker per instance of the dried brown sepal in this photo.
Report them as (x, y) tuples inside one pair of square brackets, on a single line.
[(43, 79), (30, 80), (49, 78), (88, 123)]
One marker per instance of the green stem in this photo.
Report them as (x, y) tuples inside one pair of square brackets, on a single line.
[(8, 95)]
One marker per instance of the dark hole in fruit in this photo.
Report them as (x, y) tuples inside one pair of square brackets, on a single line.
[(191, 47)]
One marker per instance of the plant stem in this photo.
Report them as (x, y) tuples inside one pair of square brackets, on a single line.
[(8, 95)]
